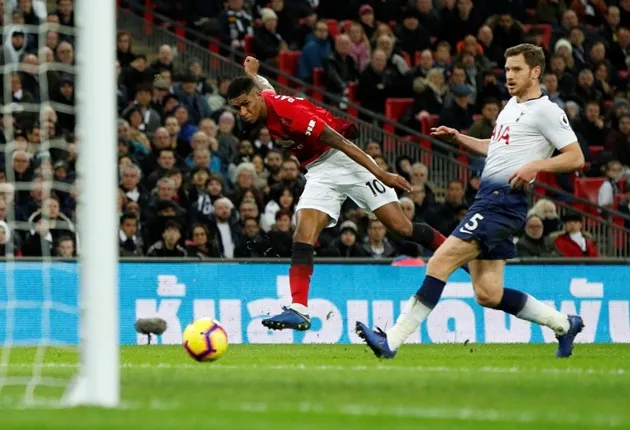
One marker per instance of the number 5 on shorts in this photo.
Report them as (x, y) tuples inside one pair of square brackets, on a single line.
[(472, 224)]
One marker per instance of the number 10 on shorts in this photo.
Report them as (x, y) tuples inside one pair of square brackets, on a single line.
[(472, 224), (376, 187)]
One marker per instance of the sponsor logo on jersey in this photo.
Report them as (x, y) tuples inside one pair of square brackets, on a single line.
[(311, 126)]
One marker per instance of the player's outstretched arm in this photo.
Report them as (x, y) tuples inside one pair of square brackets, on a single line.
[(251, 66), (333, 139), (450, 134)]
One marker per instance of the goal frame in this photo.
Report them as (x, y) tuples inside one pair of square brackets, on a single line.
[(98, 379)]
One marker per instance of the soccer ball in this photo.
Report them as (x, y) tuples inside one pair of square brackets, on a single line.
[(205, 340)]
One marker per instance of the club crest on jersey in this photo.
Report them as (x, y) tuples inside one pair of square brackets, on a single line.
[(501, 133), (286, 143)]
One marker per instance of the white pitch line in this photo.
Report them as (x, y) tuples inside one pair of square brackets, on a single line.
[(378, 368), (457, 414)]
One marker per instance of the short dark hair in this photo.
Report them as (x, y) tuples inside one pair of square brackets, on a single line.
[(63, 239), (491, 101), (534, 55), (126, 216), (171, 150), (238, 86), (171, 224), (250, 218)]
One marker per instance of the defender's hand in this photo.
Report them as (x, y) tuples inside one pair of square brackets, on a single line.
[(523, 177), (251, 66), (445, 133), (396, 181)]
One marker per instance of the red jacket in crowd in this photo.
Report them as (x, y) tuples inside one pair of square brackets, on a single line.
[(568, 248)]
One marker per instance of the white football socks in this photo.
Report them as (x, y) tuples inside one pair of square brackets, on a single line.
[(409, 320), (299, 308), (538, 312)]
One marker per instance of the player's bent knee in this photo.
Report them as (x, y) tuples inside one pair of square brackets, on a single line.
[(488, 297)]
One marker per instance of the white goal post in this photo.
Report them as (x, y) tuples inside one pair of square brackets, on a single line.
[(98, 380)]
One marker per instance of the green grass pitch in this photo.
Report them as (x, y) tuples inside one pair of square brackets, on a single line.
[(341, 387)]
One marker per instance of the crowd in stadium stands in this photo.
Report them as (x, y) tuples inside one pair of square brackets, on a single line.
[(194, 183)]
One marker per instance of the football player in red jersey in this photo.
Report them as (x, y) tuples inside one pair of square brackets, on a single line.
[(337, 169)]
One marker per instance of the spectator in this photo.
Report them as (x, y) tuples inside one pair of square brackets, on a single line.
[(576, 37), (590, 126), (65, 12), (346, 245), (483, 127), (396, 61), (533, 243), (444, 217), (186, 124), (268, 43), (459, 115), (624, 204), (15, 45), (151, 120), (411, 35), (164, 60), (545, 209), (360, 47), (165, 162), (218, 99), (280, 235), (224, 224), (254, 244), (618, 141), (506, 33), (314, 52), (377, 245), (65, 247), (460, 21), (421, 70), (201, 245), (168, 246), (290, 178), (129, 243), (137, 73), (429, 17), (195, 68), (550, 82), (611, 186), (609, 29), (192, 100), (367, 21), (574, 242), (285, 201), (620, 50), (340, 69), (376, 83), (130, 176), (235, 24), (492, 51), (429, 99), (124, 51)]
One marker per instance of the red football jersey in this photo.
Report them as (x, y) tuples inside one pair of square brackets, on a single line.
[(300, 121)]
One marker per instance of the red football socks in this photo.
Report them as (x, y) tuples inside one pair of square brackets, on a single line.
[(300, 281)]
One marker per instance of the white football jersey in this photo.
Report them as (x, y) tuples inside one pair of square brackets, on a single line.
[(524, 132)]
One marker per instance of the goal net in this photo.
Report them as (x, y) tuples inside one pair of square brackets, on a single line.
[(58, 315)]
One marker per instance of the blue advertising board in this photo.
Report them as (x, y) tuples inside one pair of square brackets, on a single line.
[(40, 301)]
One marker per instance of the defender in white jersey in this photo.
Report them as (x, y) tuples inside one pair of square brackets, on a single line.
[(527, 132)]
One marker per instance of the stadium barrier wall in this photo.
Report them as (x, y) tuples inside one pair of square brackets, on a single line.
[(40, 301)]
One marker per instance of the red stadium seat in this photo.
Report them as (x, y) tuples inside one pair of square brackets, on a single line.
[(595, 150), (416, 58), (623, 74), (249, 45), (288, 63), (394, 110), (407, 58), (587, 188), (428, 122), (546, 32), (333, 27)]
